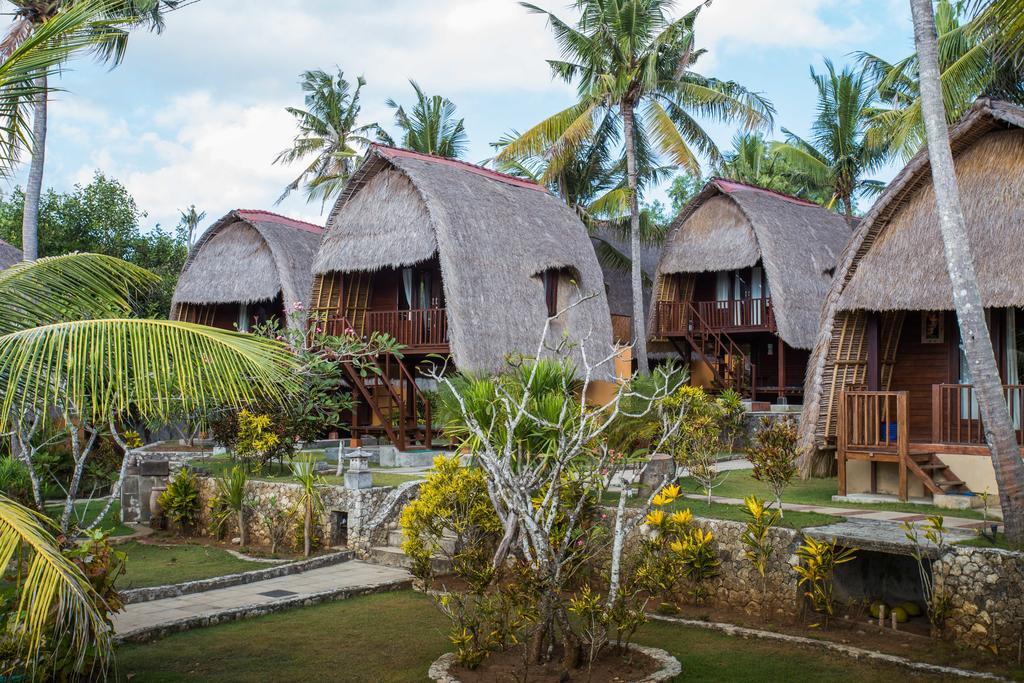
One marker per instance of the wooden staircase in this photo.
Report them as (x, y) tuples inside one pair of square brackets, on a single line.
[(730, 366), (934, 474), (401, 410)]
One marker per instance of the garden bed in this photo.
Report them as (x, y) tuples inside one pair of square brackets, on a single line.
[(612, 666)]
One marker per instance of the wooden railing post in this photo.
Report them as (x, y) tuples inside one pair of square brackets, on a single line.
[(902, 439), (841, 437), (937, 413)]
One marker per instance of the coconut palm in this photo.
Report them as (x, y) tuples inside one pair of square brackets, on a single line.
[(969, 69), (111, 19), (53, 593), (754, 161), (843, 147), (329, 133), (977, 344), (630, 60), (429, 127), (1004, 20), (189, 224)]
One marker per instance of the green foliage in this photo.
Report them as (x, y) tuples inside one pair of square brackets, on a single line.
[(256, 440), (732, 419), (757, 540), (939, 603), (684, 187), (15, 482), (699, 437), (818, 560), (101, 218), (277, 519), (310, 503), (180, 502), (756, 161), (453, 501), (429, 127), (232, 501), (774, 455), (641, 421)]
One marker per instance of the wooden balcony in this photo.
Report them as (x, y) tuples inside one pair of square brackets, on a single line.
[(420, 330), (956, 419), (740, 315)]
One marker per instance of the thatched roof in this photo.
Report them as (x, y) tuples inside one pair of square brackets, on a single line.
[(895, 260), (9, 255), (493, 235), (730, 225), (248, 256)]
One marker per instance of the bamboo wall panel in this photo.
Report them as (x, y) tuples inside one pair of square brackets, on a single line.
[(846, 367)]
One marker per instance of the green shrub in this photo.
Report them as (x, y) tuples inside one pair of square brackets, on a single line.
[(15, 482), (180, 502)]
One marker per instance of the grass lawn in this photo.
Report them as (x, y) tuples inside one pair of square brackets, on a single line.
[(741, 483), (155, 565), (983, 542), (393, 637), (219, 464), (792, 520), (88, 510)]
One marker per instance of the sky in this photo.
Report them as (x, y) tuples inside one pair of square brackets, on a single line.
[(196, 114)]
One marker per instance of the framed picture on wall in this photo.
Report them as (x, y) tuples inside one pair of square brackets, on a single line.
[(933, 327)]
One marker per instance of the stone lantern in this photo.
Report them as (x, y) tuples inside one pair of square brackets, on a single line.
[(358, 474)]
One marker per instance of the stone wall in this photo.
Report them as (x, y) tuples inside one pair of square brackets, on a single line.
[(986, 586), (357, 506), (738, 585)]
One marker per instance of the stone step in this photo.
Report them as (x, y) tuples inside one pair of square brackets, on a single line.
[(394, 557), (396, 537)]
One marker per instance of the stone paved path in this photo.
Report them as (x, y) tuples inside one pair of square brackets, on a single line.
[(351, 574), (855, 512)]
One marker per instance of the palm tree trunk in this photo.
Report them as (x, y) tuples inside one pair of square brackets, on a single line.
[(999, 434), (243, 530), (307, 531), (34, 188), (639, 327)]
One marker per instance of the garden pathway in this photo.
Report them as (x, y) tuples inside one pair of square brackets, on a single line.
[(861, 513), (139, 621)]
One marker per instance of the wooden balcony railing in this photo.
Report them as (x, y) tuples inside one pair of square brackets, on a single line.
[(418, 327), (675, 318), (957, 420), (873, 426)]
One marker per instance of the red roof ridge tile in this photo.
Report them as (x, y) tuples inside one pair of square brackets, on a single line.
[(389, 151), (732, 185), (257, 214)]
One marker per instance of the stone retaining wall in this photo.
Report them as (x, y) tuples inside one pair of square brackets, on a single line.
[(986, 586), (359, 505)]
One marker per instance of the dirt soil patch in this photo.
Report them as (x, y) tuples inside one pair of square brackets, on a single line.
[(612, 666)]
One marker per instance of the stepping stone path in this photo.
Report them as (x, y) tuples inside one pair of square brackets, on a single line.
[(141, 620)]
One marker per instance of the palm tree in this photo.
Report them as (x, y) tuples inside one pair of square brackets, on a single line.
[(969, 69), (843, 147), (630, 61), (329, 133), (754, 160), (190, 220), (1004, 19), (429, 127), (995, 415), (52, 593), (111, 20)]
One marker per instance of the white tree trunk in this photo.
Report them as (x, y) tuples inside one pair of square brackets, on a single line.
[(34, 185), (636, 272), (999, 433)]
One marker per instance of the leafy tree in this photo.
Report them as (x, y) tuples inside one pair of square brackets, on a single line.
[(107, 24), (631, 63), (102, 218), (843, 147), (329, 133), (684, 187), (969, 67), (755, 161), (430, 126), (970, 313)]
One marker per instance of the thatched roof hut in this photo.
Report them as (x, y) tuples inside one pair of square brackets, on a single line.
[(249, 256), (9, 255), (730, 225), (895, 260), (494, 236)]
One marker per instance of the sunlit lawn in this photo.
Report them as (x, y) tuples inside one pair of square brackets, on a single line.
[(393, 638), (157, 565), (87, 511)]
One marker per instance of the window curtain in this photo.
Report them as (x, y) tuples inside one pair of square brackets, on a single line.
[(407, 286), (243, 317), (722, 289), (757, 294), (1013, 365)]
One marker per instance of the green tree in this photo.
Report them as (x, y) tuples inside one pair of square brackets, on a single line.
[(755, 161), (101, 218), (843, 147), (430, 126), (970, 313), (329, 134), (684, 187), (968, 69), (188, 225), (108, 24), (631, 62)]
